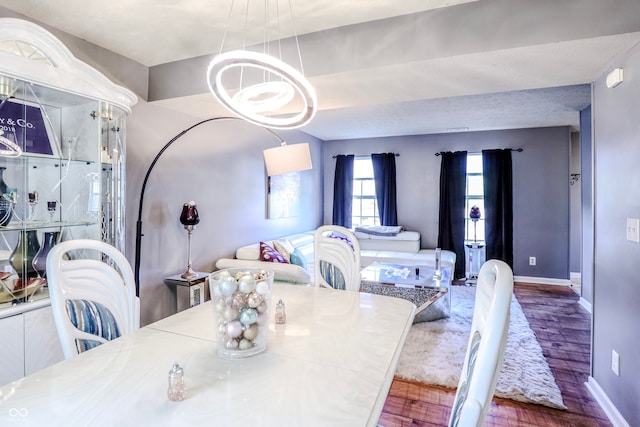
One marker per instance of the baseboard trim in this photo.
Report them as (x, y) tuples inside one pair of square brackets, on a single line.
[(605, 403), (585, 304), (542, 280)]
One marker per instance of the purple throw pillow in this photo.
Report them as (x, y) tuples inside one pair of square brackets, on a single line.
[(267, 253), (341, 237)]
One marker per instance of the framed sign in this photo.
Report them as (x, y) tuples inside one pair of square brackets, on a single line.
[(26, 125)]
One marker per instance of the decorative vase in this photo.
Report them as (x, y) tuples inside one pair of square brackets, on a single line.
[(189, 214), (5, 205), (49, 239), (241, 300), (21, 258)]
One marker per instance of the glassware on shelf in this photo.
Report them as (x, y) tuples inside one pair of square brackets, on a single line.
[(21, 258), (49, 239), (51, 208), (6, 207), (33, 202)]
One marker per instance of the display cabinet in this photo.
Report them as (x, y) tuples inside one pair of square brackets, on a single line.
[(62, 160)]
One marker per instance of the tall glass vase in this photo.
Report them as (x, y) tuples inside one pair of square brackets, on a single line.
[(6, 207), (49, 239), (21, 258)]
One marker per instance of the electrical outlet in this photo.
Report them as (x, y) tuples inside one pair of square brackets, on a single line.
[(532, 260), (615, 362), (633, 229)]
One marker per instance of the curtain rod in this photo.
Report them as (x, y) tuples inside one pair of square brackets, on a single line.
[(519, 150), (367, 155)]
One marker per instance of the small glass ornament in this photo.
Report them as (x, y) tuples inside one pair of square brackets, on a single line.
[(281, 316), (177, 390)]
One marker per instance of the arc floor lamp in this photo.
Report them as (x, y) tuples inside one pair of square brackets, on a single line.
[(278, 160)]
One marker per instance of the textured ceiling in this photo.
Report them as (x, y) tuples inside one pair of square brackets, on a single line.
[(381, 67)]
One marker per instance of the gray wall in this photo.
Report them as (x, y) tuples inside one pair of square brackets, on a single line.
[(219, 165), (540, 177), (616, 299)]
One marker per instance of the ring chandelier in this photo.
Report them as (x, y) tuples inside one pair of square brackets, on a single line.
[(281, 83), (250, 103)]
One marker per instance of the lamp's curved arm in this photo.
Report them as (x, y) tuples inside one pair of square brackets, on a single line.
[(144, 186)]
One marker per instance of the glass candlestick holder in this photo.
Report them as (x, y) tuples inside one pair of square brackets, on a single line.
[(189, 218), (437, 272), (51, 209), (33, 203)]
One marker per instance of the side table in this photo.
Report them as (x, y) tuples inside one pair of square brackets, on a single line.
[(475, 254), (190, 293)]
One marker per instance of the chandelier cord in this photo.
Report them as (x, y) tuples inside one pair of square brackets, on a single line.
[(295, 36), (226, 28)]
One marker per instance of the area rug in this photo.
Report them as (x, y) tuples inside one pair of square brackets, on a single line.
[(434, 353)]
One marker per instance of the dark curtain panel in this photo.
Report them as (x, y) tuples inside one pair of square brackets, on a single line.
[(343, 190), (384, 174), (453, 182), (498, 204)]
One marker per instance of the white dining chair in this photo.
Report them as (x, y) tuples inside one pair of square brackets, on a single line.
[(336, 253), (487, 341), (92, 294)]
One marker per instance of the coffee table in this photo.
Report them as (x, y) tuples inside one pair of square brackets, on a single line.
[(431, 297)]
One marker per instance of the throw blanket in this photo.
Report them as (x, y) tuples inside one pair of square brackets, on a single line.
[(380, 230)]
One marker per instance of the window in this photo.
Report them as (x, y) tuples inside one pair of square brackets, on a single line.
[(365, 206), (474, 197)]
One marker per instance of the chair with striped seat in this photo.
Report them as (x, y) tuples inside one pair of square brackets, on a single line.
[(487, 341), (92, 294), (336, 254)]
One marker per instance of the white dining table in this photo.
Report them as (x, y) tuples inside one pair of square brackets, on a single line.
[(330, 364)]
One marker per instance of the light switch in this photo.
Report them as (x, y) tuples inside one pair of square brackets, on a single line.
[(633, 229)]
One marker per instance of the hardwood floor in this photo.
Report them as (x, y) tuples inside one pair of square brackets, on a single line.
[(563, 328)]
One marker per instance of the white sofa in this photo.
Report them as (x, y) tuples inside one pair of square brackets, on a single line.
[(404, 248), (249, 257)]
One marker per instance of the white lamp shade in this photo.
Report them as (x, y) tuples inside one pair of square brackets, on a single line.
[(287, 159)]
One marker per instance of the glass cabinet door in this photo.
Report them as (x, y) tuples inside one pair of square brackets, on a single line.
[(112, 159), (52, 179)]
